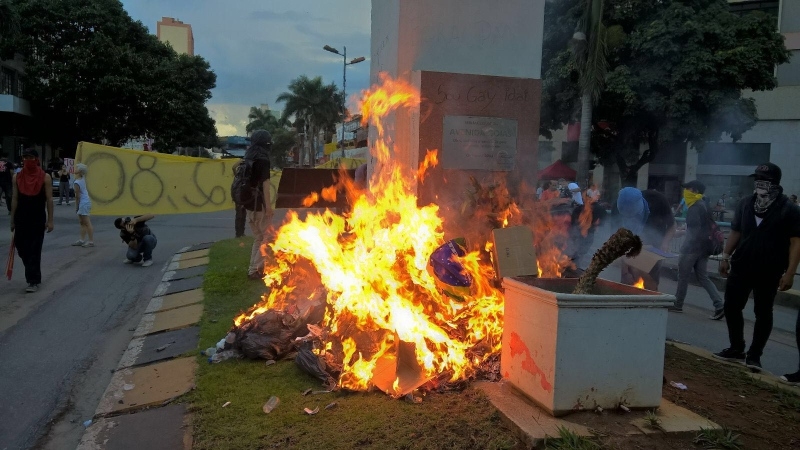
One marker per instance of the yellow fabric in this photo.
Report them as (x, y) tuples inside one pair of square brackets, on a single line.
[(690, 197), (130, 182), (329, 148), (348, 163)]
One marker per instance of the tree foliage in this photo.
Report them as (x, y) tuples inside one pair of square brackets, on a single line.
[(283, 139), (676, 74), (315, 105), (92, 73)]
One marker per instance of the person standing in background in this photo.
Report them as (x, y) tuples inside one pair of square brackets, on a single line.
[(83, 206), (6, 175), (31, 215), (63, 185)]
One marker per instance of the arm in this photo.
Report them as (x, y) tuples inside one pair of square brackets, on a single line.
[(48, 192), (730, 246), (265, 186), (794, 258), (13, 199), (77, 188), (142, 219)]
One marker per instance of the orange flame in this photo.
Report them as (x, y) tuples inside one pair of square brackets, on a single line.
[(373, 264), (639, 284)]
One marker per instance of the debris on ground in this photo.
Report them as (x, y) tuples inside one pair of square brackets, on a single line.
[(271, 404)]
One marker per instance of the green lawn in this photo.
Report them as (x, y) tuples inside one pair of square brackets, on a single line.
[(363, 420)]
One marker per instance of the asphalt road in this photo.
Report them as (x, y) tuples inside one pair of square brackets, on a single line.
[(58, 346)]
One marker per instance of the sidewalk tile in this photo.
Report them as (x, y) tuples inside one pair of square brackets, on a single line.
[(191, 255), (675, 419), (161, 346), (173, 301), (196, 247), (164, 428), (137, 388), (184, 273), (172, 319), (184, 285), (190, 263)]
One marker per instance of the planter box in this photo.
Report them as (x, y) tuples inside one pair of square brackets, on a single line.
[(571, 352)]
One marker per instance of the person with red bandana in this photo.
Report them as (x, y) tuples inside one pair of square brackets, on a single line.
[(32, 195)]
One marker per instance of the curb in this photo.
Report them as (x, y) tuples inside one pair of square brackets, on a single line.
[(136, 409)]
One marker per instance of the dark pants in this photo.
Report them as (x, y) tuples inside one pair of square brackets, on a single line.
[(63, 190), (29, 240), (7, 192), (241, 218), (737, 292), (144, 250)]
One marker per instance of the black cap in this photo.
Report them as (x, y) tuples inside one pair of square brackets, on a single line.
[(30, 152), (768, 172), (696, 185)]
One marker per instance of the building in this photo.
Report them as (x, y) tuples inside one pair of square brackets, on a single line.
[(15, 111), (177, 34)]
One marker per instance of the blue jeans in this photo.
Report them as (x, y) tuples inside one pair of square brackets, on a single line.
[(144, 249), (697, 262)]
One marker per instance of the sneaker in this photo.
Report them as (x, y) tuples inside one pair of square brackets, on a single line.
[(718, 314), (792, 379), (147, 263), (32, 288), (731, 355), (78, 243), (88, 244), (753, 363), (675, 309), (127, 261)]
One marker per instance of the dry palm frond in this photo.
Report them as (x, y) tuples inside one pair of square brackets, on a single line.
[(621, 243)]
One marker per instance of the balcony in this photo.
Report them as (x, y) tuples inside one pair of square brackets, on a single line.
[(13, 104)]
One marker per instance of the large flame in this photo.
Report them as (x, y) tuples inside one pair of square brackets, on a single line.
[(373, 262)]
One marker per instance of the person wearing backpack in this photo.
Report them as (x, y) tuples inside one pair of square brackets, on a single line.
[(695, 249), (250, 188), (761, 256)]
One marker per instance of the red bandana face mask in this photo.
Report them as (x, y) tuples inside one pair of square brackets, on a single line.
[(31, 178)]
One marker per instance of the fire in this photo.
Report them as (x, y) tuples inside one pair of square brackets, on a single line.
[(639, 284), (373, 263)]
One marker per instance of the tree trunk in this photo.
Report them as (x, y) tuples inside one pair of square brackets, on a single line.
[(584, 141)]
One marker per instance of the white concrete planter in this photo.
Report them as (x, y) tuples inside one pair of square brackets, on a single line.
[(571, 352)]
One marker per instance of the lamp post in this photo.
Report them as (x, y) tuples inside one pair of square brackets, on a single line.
[(344, 81)]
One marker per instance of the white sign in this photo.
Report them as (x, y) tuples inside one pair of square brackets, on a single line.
[(481, 143), (70, 165)]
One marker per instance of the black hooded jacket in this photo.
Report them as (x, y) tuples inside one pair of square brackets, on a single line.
[(260, 143)]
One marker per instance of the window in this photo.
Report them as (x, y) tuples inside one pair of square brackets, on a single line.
[(7, 78), (769, 7), (789, 73)]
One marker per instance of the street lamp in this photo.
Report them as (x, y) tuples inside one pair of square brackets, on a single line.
[(344, 81)]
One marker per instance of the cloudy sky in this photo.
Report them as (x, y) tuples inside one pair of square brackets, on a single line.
[(257, 47)]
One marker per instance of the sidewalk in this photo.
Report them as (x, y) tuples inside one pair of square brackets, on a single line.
[(135, 410)]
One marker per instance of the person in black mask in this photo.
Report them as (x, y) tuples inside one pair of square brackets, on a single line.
[(761, 256)]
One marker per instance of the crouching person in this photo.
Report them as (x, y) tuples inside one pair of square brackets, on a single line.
[(140, 239)]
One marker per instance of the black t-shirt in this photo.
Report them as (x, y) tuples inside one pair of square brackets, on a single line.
[(660, 220), (260, 175), (764, 248), (139, 231), (64, 178)]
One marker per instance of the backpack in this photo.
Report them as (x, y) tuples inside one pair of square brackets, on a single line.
[(244, 188)]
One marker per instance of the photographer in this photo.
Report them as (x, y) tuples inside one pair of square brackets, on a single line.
[(140, 240)]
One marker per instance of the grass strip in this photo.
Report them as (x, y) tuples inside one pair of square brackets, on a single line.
[(364, 420)]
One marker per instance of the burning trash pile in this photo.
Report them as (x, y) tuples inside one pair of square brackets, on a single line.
[(377, 296)]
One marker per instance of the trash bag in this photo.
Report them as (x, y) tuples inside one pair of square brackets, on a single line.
[(309, 362), (269, 335)]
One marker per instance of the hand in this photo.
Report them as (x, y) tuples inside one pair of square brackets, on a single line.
[(49, 226), (129, 227), (786, 282), (724, 267)]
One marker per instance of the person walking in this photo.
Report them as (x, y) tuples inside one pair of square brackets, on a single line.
[(259, 213), (239, 210), (139, 238), (63, 185), (83, 206), (6, 175), (31, 215), (648, 215), (761, 256), (696, 249)]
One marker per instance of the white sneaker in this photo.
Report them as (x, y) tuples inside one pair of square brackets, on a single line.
[(88, 244), (127, 261), (78, 243), (147, 263)]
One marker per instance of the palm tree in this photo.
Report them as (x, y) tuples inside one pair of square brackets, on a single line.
[(589, 48), (260, 119), (317, 105)]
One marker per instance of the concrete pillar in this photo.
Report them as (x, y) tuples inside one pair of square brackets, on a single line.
[(477, 66), (690, 170)]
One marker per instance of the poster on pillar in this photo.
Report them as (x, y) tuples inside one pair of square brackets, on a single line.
[(480, 143)]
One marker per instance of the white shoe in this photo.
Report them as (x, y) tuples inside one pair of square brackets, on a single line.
[(78, 243), (147, 263), (88, 244), (127, 261)]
